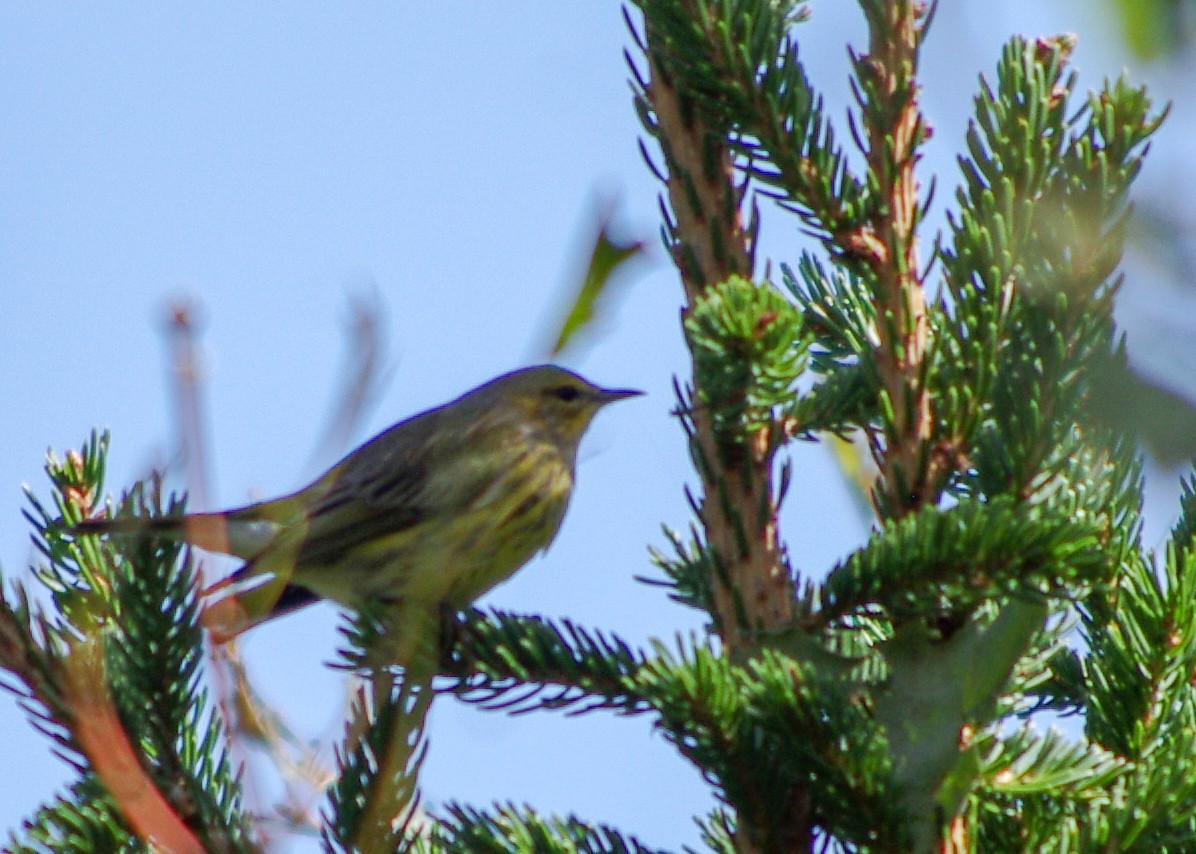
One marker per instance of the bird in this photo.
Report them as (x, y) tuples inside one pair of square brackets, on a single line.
[(431, 513)]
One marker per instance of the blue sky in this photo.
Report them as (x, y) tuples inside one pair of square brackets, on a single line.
[(446, 156)]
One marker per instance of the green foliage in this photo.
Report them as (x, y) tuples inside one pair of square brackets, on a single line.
[(516, 664), (1153, 29), (717, 713), (511, 830), (689, 571), (742, 76), (839, 313), (1040, 793), (160, 698), (749, 348), (814, 738), (1042, 498), (1028, 763), (1140, 705), (134, 602), (941, 563), (718, 832), (31, 655), (370, 770), (82, 822)]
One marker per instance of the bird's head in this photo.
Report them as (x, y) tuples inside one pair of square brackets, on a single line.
[(557, 401)]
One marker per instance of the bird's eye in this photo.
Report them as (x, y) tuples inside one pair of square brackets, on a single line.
[(567, 393)]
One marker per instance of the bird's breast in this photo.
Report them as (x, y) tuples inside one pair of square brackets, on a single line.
[(518, 515), (490, 523)]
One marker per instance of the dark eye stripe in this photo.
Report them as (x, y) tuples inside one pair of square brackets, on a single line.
[(566, 393)]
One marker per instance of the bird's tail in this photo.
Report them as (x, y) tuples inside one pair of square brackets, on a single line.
[(242, 533), (258, 591), (132, 526)]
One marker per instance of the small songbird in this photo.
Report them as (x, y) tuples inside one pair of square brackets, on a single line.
[(433, 512)]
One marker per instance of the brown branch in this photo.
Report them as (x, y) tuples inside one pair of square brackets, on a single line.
[(188, 387), (738, 504), (712, 241), (910, 473)]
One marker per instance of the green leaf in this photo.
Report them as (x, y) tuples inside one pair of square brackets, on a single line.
[(608, 255), (1152, 28), (1164, 421), (940, 693)]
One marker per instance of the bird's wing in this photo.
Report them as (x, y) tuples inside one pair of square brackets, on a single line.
[(324, 522), (381, 489)]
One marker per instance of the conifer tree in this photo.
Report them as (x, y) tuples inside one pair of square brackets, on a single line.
[(884, 704)]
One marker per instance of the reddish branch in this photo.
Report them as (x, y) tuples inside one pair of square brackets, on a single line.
[(113, 758), (910, 473), (738, 505)]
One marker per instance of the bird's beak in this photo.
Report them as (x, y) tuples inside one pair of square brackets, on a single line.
[(610, 395)]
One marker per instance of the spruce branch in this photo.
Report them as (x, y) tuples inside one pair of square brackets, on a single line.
[(1031, 763), (514, 830), (689, 570), (82, 821), (1139, 700), (30, 654), (762, 731), (1030, 267), (838, 775), (517, 664), (726, 718), (740, 64), (112, 756), (707, 237), (138, 723), (1039, 792), (718, 832), (884, 252), (838, 310), (373, 804), (709, 243), (939, 565)]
